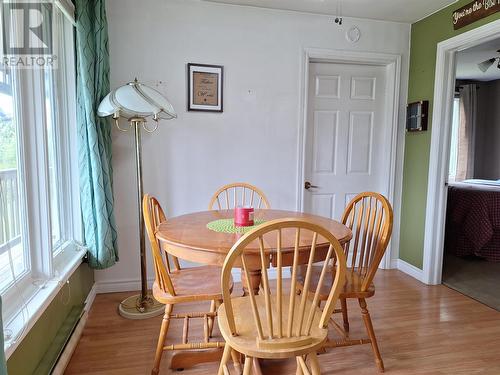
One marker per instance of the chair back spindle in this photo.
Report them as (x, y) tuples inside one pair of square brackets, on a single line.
[(281, 318), (239, 193), (153, 217), (369, 216)]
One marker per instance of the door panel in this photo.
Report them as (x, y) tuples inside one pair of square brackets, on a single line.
[(323, 204), (328, 87), (325, 141), (359, 152), (347, 138), (363, 88)]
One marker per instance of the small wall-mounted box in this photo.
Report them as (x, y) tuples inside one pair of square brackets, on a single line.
[(417, 116)]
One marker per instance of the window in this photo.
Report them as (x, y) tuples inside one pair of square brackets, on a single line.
[(39, 207), (13, 258), (452, 172)]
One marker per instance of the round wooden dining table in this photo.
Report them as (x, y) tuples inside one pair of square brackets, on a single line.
[(187, 237)]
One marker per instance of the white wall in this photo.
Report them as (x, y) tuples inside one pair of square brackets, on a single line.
[(255, 139)]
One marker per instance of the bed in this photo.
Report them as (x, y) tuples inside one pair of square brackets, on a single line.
[(473, 219)]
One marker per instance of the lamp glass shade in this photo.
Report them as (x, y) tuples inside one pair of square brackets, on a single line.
[(106, 108), (136, 100)]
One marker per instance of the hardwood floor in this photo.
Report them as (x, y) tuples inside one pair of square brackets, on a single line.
[(421, 330)]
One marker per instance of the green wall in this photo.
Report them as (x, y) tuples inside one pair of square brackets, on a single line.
[(425, 35), (32, 350)]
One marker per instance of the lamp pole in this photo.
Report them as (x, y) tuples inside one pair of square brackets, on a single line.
[(140, 306), (137, 123)]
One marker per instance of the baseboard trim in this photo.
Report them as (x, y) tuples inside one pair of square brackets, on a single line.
[(133, 285), (70, 347), (89, 301), (272, 273), (394, 264), (101, 287), (410, 270), (120, 286)]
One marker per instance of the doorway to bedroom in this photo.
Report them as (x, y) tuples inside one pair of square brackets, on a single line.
[(471, 261)]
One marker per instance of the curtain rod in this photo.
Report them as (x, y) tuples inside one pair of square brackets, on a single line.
[(462, 86)]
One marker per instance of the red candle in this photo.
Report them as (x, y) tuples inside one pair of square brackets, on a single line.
[(243, 216)]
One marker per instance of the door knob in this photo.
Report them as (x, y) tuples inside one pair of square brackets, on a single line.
[(308, 185)]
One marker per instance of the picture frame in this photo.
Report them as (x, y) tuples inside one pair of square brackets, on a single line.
[(205, 87), (417, 115)]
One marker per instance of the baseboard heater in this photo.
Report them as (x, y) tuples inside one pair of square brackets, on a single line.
[(57, 357), (70, 346)]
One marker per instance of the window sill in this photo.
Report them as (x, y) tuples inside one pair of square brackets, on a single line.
[(37, 295)]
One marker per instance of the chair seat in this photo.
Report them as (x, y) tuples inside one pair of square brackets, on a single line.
[(247, 341), (192, 284), (352, 287)]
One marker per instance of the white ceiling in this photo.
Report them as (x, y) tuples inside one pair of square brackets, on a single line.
[(389, 10), (468, 59)]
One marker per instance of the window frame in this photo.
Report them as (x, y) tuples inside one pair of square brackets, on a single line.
[(21, 186), (454, 136), (48, 269)]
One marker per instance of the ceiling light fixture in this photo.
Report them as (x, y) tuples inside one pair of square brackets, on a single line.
[(338, 19), (485, 65)]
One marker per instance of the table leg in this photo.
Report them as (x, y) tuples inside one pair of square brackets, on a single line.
[(255, 279)]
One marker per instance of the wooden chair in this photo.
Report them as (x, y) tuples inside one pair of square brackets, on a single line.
[(284, 324), (175, 285), (369, 215), (238, 193)]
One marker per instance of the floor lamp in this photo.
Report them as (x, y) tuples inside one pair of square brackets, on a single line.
[(137, 102)]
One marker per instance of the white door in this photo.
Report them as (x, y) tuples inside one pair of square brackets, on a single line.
[(348, 137)]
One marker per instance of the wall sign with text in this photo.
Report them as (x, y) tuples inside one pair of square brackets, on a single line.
[(205, 87), (474, 11)]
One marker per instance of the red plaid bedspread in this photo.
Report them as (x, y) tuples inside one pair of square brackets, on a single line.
[(473, 221)]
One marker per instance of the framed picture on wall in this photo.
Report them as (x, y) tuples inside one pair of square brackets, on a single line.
[(205, 87), (417, 116)]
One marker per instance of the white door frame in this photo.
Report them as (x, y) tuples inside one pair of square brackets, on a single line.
[(444, 87), (393, 64)]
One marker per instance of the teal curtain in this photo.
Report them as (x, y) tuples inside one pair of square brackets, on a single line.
[(94, 133), (3, 364)]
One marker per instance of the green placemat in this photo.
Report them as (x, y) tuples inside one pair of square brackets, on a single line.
[(227, 226)]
